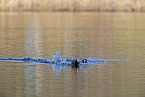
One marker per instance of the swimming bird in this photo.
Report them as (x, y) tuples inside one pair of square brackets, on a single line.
[(84, 60), (75, 63)]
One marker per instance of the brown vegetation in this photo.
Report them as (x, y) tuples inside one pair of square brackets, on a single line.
[(72, 5)]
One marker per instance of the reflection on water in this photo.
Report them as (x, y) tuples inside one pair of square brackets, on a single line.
[(100, 35), (29, 74)]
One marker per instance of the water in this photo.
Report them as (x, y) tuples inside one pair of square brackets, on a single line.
[(58, 60), (79, 35)]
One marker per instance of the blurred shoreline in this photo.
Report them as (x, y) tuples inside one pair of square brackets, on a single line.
[(73, 5)]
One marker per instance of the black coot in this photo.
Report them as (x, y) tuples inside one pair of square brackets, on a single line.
[(75, 63)]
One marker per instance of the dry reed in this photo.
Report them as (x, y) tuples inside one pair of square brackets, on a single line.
[(72, 5)]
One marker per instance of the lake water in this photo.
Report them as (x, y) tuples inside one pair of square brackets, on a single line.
[(80, 34)]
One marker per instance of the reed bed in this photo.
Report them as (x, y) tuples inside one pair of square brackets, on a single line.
[(72, 5)]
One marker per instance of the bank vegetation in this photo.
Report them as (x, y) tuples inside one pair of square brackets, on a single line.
[(72, 5)]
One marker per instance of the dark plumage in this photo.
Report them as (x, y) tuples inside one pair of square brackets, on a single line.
[(84, 60), (75, 63)]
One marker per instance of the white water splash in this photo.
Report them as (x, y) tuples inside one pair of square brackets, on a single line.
[(57, 59)]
